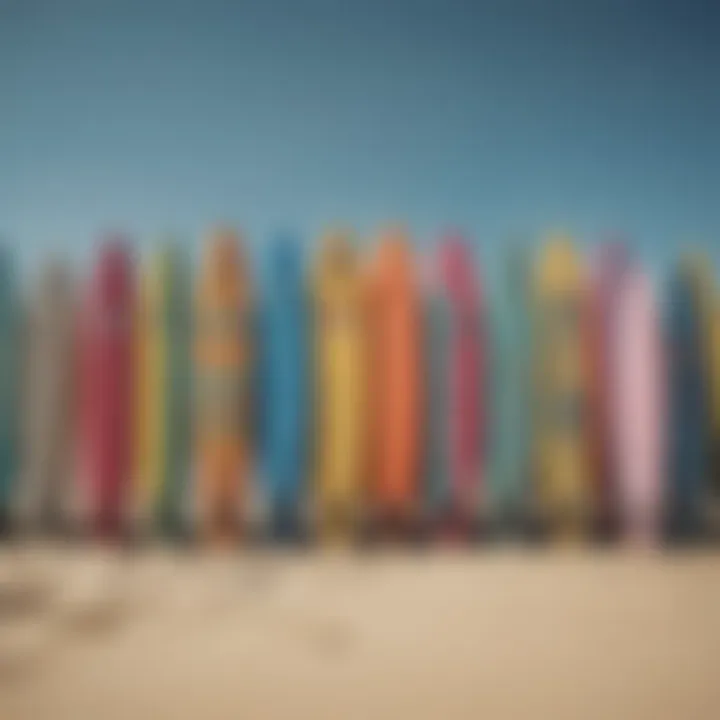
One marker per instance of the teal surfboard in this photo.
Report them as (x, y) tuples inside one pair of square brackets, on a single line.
[(689, 422), (436, 462), (10, 381), (509, 492)]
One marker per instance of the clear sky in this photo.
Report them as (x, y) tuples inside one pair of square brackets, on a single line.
[(502, 118)]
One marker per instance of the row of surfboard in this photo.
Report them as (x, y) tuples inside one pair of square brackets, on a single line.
[(358, 397)]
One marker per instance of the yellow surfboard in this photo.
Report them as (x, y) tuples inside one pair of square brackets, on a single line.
[(162, 381), (340, 388), (561, 386), (223, 357), (146, 377), (700, 272), (715, 363), (715, 411)]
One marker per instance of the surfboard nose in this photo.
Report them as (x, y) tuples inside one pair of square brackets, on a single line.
[(337, 250), (457, 267), (113, 269), (222, 256), (285, 262)]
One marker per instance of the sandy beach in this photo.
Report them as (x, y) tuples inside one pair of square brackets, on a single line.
[(496, 634)]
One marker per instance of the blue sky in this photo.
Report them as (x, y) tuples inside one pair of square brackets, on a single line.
[(505, 118)]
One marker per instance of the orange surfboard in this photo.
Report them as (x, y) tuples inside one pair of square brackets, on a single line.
[(223, 356), (396, 381)]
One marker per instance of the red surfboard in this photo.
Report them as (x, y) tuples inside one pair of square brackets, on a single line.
[(106, 389), (465, 377)]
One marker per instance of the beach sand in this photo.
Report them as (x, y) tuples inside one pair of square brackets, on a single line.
[(502, 633)]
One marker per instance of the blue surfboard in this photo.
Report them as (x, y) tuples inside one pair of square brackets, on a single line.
[(688, 441), (285, 409)]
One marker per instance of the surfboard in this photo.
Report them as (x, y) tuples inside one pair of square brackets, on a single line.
[(465, 379), (146, 389), (11, 359), (285, 333), (510, 491), (173, 514), (223, 349), (700, 275), (636, 408), (106, 376), (436, 370), (340, 387), (162, 377), (561, 390), (396, 337), (714, 501), (607, 277), (49, 401), (689, 441)]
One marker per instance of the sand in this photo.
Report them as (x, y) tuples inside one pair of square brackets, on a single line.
[(493, 634)]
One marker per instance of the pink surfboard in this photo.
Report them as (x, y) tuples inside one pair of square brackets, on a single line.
[(638, 409), (466, 370), (106, 390)]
